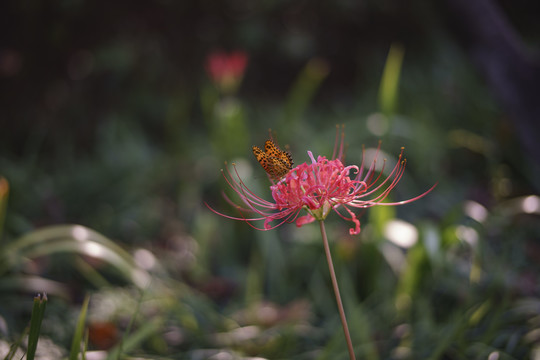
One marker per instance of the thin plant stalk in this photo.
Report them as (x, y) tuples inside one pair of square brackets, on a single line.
[(336, 291)]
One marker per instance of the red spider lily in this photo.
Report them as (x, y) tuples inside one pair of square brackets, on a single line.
[(226, 70), (318, 187)]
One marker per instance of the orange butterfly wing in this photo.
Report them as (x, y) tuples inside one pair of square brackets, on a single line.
[(275, 162), (261, 157)]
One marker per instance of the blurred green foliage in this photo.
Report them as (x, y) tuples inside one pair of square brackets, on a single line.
[(110, 121)]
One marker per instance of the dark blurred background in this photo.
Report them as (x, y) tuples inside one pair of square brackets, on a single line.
[(76, 62), (110, 119)]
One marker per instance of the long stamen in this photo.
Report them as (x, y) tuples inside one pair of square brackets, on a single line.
[(334, 153)]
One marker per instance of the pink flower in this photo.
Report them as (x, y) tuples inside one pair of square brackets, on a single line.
[(226, 70), (320, 187)]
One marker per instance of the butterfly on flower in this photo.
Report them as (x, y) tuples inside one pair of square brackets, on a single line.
[(275, 162)]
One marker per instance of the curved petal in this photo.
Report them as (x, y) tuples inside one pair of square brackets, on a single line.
[(303, 220), (356, 222)]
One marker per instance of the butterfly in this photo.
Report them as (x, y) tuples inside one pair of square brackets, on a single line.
[(275, 162)]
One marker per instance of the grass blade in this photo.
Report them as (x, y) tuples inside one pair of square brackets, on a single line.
[(16, 345), (40, 302), (75, 239), (79, 331)]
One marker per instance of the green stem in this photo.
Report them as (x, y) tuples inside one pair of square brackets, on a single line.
[(336, 291)]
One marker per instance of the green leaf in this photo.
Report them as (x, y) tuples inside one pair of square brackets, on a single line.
[(388, 91)]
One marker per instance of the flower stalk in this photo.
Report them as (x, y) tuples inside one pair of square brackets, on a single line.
[(336, 291)]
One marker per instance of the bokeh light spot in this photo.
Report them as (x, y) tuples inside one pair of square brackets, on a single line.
[(378, 124), (401, 233), (475, 211), (93, 249), (144, 259), (467, 234), (79, 233), (531, 204)]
